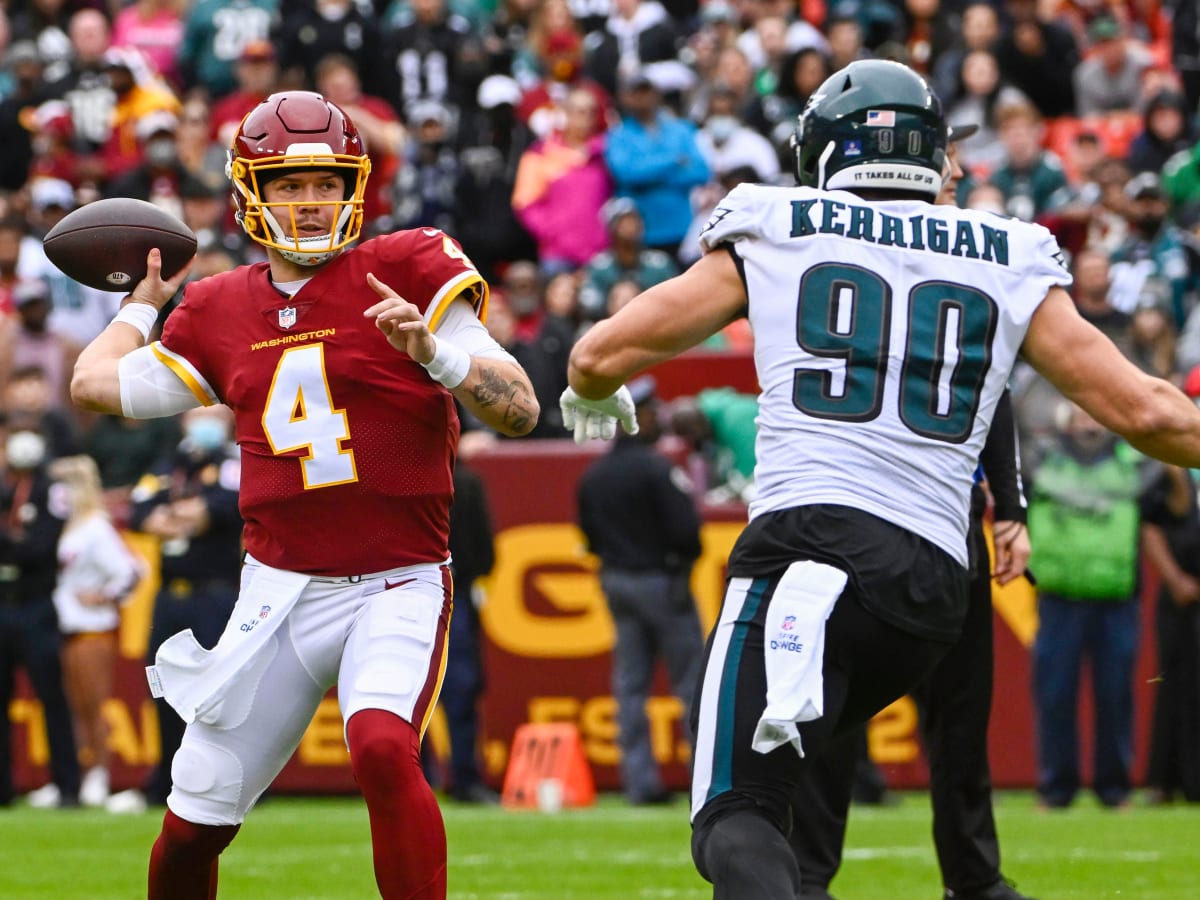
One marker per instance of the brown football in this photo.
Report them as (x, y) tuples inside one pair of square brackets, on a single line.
[(104, 243)]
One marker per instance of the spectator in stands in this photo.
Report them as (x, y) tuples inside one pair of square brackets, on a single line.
[(27, 90), (51, 141), (96, 574), (29, 636), (124, 450), (627, 258), (655, 160), (202, 157), (978, 93), (561, 69), (1153, 330), (216, 33), (644, 528), (139, 94), (1185, 48), (491, 143), (312, 30), (1181, 177), (1170, 542), (159, 176), (1153, 248), (31, 342), (979, 30), (727, 144), (846, 40), (155, 29), (12, 230), (1031, 177), (423, 193), (1039, 58), (421, 56), (188, 499), (801, 73), (46, 24), (562, 183), (1169, 130), (1083, 524), (84, 83), (636, 33), (257, 75), (1109, 79), (28, 396)]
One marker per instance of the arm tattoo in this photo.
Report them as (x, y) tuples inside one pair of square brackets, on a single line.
[(493, 389)]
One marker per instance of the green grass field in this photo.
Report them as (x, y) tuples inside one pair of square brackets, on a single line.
[(318, 849)]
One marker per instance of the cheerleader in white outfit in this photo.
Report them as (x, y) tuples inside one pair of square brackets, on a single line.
[(97, 573)]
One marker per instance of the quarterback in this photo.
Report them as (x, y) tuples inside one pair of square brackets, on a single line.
[(885, 330), (341, 364)]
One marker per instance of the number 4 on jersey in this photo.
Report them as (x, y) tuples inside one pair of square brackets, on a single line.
[(300, 415)]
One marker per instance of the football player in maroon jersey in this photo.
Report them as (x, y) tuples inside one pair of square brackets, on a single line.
[(342, 365)]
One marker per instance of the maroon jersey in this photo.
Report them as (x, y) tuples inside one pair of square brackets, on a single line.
[(347, 444)]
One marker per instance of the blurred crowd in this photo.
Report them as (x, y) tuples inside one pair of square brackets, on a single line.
[(575, 148)]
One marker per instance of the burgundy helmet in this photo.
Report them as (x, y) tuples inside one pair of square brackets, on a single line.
[(289, 131)]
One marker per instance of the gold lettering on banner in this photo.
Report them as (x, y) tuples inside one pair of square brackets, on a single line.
[(572, 618), (324, 743), (892, 734), (135, 743)]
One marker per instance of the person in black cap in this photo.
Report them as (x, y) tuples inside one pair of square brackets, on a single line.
[(955, 701), (646, 531)]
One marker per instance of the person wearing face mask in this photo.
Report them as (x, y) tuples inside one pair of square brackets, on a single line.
[(1083, 524), (727, 143), (189, 501), (160, 178), (30, 527)]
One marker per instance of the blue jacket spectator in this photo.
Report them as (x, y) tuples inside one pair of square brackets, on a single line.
[(655, 161)]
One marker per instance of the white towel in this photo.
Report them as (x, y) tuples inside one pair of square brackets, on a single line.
[(194, 680), (794, 638)]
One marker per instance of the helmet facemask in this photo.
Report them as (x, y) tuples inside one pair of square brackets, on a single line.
[(275, 224)]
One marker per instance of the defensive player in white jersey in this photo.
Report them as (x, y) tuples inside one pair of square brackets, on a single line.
[(885, 329)]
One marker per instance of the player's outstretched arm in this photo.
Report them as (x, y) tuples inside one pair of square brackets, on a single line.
[(496, 391), (659, 323), (1152, 414), (95, 383)]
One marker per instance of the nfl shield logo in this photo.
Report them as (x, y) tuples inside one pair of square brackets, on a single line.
[(287, 317)]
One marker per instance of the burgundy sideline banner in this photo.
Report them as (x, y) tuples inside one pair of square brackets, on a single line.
[(548, 641)]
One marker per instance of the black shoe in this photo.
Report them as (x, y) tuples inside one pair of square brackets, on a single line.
[(1000, 890), (475, 793)]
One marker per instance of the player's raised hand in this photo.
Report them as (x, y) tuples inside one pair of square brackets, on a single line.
[(591, 419), (153, 289), (401, 322)]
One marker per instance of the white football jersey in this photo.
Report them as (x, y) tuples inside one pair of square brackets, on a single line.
[(884, 334)]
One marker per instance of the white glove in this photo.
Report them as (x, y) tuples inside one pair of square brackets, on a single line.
[(598, 418)]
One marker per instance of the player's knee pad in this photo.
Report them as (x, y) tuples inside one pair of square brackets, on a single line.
[(207, 784), (745, 856)]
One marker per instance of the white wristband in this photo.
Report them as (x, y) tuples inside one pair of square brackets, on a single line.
[(141, 316), (450, 365)]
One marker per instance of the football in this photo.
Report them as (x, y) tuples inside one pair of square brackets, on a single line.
[(103, 244)]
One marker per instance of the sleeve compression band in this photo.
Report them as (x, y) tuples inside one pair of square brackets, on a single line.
[(149, 389), (460, 326)]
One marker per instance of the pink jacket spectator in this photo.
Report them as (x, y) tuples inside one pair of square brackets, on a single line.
[(557, 196)]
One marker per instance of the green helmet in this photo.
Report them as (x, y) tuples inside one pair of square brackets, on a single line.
[(873, 124)]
